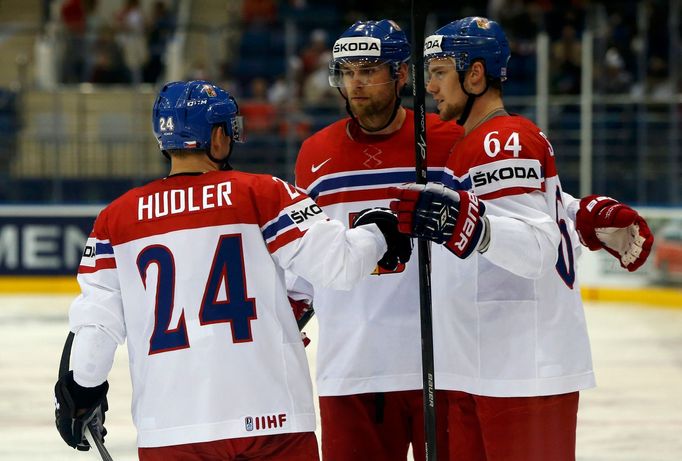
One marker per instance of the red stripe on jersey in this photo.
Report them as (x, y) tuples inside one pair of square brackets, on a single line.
[(285, 238), (102, 263), (352, 196)]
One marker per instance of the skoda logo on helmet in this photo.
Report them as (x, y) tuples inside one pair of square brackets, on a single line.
[(432, 44), (357, 46)]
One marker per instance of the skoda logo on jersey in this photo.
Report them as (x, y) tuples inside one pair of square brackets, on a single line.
[(357, 46), (487, 177), (432, 44), (303, 214)]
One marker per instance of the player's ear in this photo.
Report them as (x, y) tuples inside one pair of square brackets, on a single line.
[(476, 74), (220, 141), (402, 74)]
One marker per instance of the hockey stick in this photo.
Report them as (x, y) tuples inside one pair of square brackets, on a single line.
[(94, 438), (92, 434), (418, 19)]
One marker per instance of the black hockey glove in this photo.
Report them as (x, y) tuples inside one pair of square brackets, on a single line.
[(76, 407), (399, 245), (453, 218)]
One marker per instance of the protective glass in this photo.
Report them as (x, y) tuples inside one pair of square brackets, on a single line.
[(360, 72), (238, 130), (437, 69)]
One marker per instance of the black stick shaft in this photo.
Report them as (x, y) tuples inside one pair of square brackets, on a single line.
[(418, 91)]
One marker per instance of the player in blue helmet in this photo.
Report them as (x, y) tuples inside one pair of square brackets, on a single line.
[(462, 43), (369, 367), (370, 57), (185, 113), (511, 347), (209, 249)]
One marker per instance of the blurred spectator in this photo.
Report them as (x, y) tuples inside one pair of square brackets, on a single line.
[(616, 78), (259, 11), (310, 56), (294, 122), (260, 115), (657, 85), (308, 59), (280, 91), (160, 31), (131, 35), (73, 63), (108, 66), (566, 55), (316, 88)]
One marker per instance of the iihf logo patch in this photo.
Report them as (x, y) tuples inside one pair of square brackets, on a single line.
[(248, 423)]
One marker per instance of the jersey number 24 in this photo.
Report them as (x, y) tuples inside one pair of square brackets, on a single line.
[(227, 269)]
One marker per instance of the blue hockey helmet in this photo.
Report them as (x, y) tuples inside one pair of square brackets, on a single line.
[(185, 112), (467, 40), (377, 42)]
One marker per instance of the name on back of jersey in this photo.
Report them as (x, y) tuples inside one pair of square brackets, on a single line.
[(188, 200)]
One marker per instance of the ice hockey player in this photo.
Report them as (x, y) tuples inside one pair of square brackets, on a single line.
[(189, 270)]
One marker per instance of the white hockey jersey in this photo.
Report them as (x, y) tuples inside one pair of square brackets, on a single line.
[(190, 270), (369, 337), (510, 322)]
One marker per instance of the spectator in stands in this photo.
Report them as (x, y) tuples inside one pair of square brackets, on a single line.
[(160, 31), (130, 22), (309, 57), (616, 78), (259, 11), (73, 18), (316, 89), (261, 115), (566, 55), (108, 65)]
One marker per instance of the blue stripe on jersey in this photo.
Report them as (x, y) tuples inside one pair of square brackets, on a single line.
[(104, 249), (456, 184), (370, 179), (276, 227)]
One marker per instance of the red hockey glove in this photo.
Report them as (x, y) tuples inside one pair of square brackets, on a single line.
[(603, 222), (442, 215)]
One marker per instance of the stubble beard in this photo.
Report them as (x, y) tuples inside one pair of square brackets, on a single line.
[(450, 112), (375, 112)]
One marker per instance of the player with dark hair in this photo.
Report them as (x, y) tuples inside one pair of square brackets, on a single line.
[(368, 363), (510, 340), (189, 270)]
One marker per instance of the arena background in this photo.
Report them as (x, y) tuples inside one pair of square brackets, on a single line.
[(77, 82)]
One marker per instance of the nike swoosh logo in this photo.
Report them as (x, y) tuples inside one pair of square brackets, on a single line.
[(314, 168)]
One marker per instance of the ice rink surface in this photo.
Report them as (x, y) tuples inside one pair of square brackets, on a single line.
[(634, 414)]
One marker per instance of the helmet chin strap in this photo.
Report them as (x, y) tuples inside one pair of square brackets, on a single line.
[(471, 98), (396, 106)]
